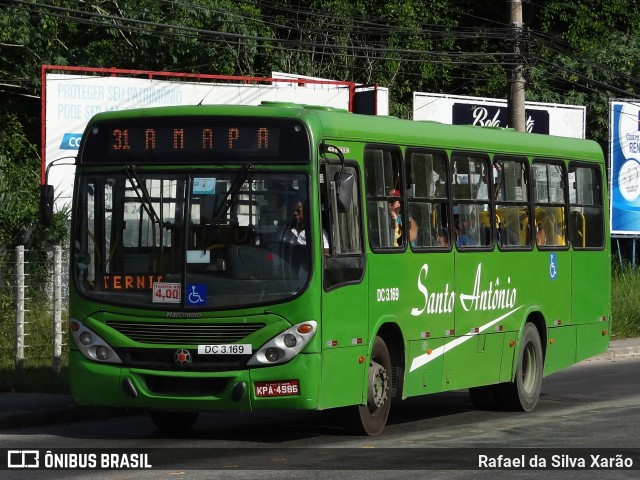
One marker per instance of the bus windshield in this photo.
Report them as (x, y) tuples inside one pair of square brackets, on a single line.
[(186, 240)]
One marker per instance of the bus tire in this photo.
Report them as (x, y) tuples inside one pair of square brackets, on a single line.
[(173, 422), (371, 418), (523, 393)]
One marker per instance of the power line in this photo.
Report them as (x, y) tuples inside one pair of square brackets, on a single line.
[(359, 48)]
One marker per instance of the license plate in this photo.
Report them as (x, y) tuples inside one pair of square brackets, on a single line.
[(277, 389), (225, 349)]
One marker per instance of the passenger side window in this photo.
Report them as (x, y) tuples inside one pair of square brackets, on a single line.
[(586, 211), (472, 220), (385, 216), (512, 202), (340, 212), (428, 225), (549, 204)]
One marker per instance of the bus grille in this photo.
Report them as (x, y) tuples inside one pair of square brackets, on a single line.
[(164, 359), (188, 387), (185, 334)]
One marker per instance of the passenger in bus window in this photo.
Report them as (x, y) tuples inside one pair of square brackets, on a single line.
[(414, 229), (443, 237), (463, 239), (541, 236), (297, 235), (395, 214)]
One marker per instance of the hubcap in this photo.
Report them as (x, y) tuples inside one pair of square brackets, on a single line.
[(529, 368), (378, 386)]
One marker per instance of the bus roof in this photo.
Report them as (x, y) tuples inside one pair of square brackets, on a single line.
[(337, 124)]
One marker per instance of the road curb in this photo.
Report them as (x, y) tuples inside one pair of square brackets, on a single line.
[(621, 349), (59, 414)]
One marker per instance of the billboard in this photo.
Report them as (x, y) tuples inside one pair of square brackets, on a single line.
[(544, 118), (624, 158), (367, 99), (70, 100)]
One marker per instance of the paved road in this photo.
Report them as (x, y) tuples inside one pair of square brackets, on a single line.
[(594, 405)]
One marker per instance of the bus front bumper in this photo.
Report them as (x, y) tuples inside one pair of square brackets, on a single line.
[(294, 385)]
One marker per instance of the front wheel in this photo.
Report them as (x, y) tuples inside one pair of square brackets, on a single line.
[(523, 393), (371, 418)]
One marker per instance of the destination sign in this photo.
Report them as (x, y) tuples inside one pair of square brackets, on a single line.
[(187, 139)]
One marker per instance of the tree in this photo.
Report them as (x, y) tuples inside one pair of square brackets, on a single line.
[(19, 198), (585, 53)]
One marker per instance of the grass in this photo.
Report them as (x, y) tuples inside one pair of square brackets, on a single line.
[(35, 379), (625, 301), (36, 373)]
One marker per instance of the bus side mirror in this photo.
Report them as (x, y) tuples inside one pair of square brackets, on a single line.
[(45, 216), (344, 190)]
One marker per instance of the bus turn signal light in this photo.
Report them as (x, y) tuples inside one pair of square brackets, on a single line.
[(304, 328)]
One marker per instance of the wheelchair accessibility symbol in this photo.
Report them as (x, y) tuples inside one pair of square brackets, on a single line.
[(197, 294), (553, 269)]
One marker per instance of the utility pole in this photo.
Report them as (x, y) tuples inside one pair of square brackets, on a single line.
[(516, 84)]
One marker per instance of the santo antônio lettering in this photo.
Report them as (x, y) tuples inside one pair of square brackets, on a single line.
[(483, 297)]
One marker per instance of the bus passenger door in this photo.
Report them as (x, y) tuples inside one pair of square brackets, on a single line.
[(344, 326)]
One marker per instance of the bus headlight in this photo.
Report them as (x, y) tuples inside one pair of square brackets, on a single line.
[(91, 345), (285, 346), (85, 338)]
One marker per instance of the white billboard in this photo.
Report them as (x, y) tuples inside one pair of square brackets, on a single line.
[(377, 103), (544, 118), (71, 100)]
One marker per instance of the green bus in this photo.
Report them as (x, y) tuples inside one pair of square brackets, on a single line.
[(285, 256)]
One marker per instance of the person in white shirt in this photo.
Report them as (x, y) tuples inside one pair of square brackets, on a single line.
[(298, 235)]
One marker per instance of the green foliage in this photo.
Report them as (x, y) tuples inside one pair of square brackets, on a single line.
[(19, 200), (581, 52), (19, 165), (36, 372), (625, 301), (589, 57)]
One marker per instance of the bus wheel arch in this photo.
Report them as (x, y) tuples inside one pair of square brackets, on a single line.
[(392, 336), (384, 379), (537, 319), (523, 392)]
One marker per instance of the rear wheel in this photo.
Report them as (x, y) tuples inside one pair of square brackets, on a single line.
[(523, 393), (173, 422), (371, 418)]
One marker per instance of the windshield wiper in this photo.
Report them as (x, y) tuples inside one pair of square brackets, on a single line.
[(231, 196), (141, 191)]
